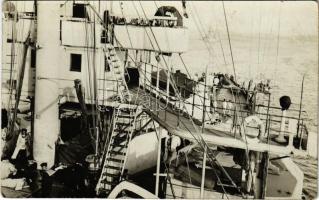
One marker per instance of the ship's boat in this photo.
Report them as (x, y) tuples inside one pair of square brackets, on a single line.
[(184, 84)]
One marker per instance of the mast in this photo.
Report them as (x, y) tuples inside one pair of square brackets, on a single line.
[(46, 124), (300, 106)]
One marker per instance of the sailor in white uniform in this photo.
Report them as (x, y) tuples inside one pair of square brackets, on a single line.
[(224, 107), (229, 107), (21, 143), (215, 106), (216, 81)]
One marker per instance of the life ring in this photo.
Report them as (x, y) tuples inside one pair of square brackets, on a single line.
[(252, 135)]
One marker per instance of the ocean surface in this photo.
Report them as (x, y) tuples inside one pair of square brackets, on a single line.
[(284, 63)]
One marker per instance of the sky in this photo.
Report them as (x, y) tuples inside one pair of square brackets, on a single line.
[(297, 18)]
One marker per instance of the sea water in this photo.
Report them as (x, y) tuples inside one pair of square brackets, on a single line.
[(284, 63)]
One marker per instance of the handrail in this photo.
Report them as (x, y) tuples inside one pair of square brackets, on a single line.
[(221, 87), (136, 115), (199, 106)]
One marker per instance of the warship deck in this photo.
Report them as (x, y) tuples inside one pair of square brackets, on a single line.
[(179, 123)]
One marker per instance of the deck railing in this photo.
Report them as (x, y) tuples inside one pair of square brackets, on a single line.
[(271, 116)]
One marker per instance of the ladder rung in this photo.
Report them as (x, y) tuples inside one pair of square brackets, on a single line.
[(113, 167), (119, 139), (103, 190), (117, 153), (126, 116), (129, 109), (114, 160), (119, 145), (122, 123), (104, 181), (122, 131), (111, 175), (120, 136)]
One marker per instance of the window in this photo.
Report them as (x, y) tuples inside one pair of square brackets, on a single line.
[(79, 11), (33, 58), (106, 65), (76, 62)]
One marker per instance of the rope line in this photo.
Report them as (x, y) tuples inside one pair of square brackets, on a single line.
[(230, 47)]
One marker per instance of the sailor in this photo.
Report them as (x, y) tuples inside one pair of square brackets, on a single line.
[(229, 107), (203, 77), (197, 80), (215, 106), (267, 86), (211, 96), (3, 139), (46, 183), (221, 81), (216, 81), (232, 78), (4, 118), (174, 142), (47, 178), (20, 152), (250, 85), (157, 22), (224, 107), (171, 23)]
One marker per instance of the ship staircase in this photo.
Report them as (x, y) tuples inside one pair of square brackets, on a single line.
[(118, 69), (116, 152)]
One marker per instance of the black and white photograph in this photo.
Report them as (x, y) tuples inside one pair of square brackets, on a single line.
[(159, 99)]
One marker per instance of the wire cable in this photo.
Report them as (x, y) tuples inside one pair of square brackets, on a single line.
[(230, 47)]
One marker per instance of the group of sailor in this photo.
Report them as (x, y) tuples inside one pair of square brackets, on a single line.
[(216, 79), (145, 22), (219, 80), (227, 107), (259, 87)]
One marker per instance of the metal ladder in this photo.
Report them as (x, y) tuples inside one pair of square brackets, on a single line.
[(119, 73), (116, 153)]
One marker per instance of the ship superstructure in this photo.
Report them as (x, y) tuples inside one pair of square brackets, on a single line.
[(104, 84)]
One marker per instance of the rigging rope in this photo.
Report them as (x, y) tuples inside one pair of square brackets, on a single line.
[(203, 144), (91, 91), (219, 38), (278, 37), (202, 35), (205, 37), (209, 153), (230, 47), (259, 31), (201, 141), (12, 66)]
